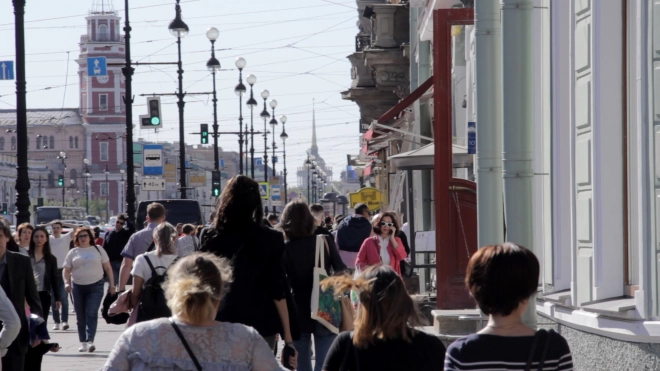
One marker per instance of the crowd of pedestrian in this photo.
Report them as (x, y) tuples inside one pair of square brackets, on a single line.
[(221, 296)]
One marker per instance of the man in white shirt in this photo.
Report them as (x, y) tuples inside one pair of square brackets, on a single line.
[(59, 246)]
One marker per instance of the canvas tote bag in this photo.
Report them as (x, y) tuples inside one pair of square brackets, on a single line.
[(325, 309)]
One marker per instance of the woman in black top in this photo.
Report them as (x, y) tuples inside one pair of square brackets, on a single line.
[(384, 338), (298, 226), (502, 278), (256, 253)]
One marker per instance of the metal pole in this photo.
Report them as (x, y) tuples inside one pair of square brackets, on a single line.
[(107, 196), (286, 195), (22, 179), (181, 104), (265, 142), (251, 133), (128, 102), (518, 138), (489, 121), (274, 145), (215, 115), (240, 124), (86, 196), (63, 180)]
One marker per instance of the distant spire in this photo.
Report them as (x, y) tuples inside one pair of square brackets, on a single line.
[(314, 143), (102, 7)]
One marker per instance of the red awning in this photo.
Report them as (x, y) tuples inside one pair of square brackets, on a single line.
[(406, 102)]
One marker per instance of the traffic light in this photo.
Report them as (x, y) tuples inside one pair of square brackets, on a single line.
[(4, 208), (215, 181), (204, 131), (153, 107), (60, 181)]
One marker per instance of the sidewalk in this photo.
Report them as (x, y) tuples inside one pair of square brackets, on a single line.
[(68, 358)]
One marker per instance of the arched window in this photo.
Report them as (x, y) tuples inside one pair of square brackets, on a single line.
[(75, 140), (52, 142), (2, 144), (38, 142), (74, 175), (70, 142), (51, 179), (103, 33), (13, 143)]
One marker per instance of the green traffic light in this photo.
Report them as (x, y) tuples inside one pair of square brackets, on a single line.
[(155, 121), (216, 192)]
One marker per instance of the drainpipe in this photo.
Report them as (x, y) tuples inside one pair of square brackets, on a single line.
[(518, 93), (488, 77)]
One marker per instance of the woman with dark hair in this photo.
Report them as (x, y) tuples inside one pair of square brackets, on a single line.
[(502, 278), (256, 253), (83, 276), (298, 225), (384, 247), (44, 266), (384, 338)]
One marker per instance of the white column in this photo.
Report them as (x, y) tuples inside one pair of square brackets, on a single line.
[(488, 81), (518, 139)]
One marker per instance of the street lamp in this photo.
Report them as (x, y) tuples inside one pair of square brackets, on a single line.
[(273, 124), (240, 91), (214, 66), (86, 174), (308, 165), (265, 115), (72, 182), (179, 29), (252, 79), (121, 171), (63, 157), (107, 195), (284, 137), (360, 174)]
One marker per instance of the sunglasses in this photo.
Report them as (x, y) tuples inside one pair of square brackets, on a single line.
[(387, 224), (83, 236)]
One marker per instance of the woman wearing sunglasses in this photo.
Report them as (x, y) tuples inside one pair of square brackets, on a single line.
[(384, 247)]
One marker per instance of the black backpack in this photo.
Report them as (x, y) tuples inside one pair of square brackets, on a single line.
[(152, 300)]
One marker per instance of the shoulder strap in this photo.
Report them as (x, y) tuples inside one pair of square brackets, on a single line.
[(97, 249), (152, 246), (545, 350), (319, 261), (185, 344), (532, 351), (153, 270)]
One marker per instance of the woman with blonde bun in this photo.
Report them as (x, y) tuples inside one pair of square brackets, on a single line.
[(192, 339)]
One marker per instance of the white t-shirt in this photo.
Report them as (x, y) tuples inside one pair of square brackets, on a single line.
[(384, 255), (86, 264), (141, 267), (60, 247)]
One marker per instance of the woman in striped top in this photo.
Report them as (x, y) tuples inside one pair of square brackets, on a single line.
[(502, 278)]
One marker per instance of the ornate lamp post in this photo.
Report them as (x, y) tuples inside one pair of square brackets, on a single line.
[(240, 91), (284, 137), (252, 103), (121, 171), (179, 29), (265, 115), (23, 179), (63, 157), (273, 124), (214, 66)]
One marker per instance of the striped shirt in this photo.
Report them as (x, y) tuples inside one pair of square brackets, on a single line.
[(481, 352)]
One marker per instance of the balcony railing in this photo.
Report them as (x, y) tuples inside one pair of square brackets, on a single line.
[(362, 42)]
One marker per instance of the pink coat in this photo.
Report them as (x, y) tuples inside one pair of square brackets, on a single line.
[(370, 254)]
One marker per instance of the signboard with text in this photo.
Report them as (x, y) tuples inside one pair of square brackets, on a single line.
[(152, 155), (370, 196), (170, 173), (197, 178)]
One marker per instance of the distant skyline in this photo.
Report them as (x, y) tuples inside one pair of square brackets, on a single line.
[(297, 51)]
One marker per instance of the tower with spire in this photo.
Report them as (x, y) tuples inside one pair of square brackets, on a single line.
[(314, 151)]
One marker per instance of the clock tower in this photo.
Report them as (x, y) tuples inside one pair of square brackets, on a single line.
[(101, 102)]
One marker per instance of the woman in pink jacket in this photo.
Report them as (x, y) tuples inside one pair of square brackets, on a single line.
[(384, 247)]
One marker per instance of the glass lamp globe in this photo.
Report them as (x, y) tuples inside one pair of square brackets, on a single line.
[(265, 94), (284, 135), (62, 154), (240, 63), (178, 28), (273, 104), (213, 65), (283, 119), (212, 33), (252, 79)]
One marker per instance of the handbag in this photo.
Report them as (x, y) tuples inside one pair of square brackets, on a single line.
[(347, 314), (325, 309), (198, 366), (539, 334), (406, 268)]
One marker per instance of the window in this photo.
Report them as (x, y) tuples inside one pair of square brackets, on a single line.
[(103, 102), (13, 143), (103, 33), (2, 144), (104, 148), (76, 141), (105, 189), (52, 142), (51, 179), (70, 142), (38, 142)]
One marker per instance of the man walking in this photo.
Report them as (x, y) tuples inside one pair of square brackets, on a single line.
[(116, 240), (17, 280), (140, 242), (352, 231), (318, 212), (59, 246)]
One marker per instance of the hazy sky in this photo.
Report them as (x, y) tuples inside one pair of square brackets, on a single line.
[(296, 48)]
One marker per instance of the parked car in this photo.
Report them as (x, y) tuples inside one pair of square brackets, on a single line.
[(93, 220)]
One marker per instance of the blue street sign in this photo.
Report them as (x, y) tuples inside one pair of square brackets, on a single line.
[(187, 165), (275, 192), (153, 159), (6, 70), (258, 162), (275, 158), (472, 138), (97, 66), (264, 190), (222, 163)]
